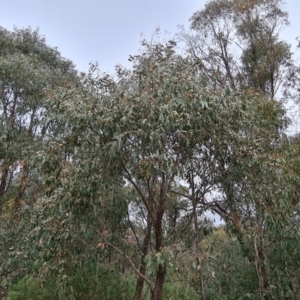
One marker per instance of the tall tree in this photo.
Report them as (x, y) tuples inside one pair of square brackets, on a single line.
[(238, 42), (30, 71), (159, 124)]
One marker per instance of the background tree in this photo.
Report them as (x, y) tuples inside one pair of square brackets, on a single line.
[(238, 43), (29, 71)]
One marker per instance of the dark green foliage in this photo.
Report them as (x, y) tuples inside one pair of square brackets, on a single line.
[(28, 289), (90, 282), (177, 291)]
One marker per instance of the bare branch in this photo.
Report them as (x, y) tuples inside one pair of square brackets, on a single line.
[(150, 284)]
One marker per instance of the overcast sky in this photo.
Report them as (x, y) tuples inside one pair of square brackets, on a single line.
[(108, 31), (97, 30)]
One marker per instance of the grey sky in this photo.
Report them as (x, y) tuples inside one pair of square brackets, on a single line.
[(108, 30), (102, 30)]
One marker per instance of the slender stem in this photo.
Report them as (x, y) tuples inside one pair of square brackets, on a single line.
[(131, 263)]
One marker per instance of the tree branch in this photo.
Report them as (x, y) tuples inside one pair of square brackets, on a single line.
[(132, 264), (130, 179)]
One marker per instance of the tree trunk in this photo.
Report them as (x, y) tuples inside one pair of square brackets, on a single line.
[(196, 234), (203, 293), (22, 188), (161, 272), (143, 267), (159, 283), (3, 181), (199, 263), (261, 269)]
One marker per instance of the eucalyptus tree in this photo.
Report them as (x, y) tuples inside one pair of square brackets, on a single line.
[(30, 70), (162, 123), (137, 129), (238, 42)]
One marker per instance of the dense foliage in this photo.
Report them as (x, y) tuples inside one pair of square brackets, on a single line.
[(109, 185)]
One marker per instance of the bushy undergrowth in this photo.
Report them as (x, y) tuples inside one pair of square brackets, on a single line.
[(90, 282), (29, 288), (177, 291)]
